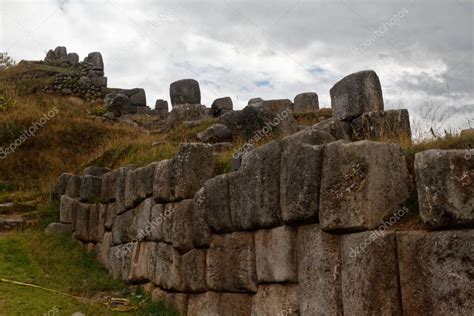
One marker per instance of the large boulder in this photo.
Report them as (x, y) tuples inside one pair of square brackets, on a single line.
[(276, 106), (319, 271), (185, 91), (220, 106), (362, 183), (445, 184), (215, 133), (275, 255), (230, 264), (386, 125), (355, 94), (257, 122), (306, 102), (370, 284), (95, 59), (61, 185), (185, 112), (118, 104), (138, 97), (161, 107), (276, 299), (215, 303), (436, 272), (338, 129)]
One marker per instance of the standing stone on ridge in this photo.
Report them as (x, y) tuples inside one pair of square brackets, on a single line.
[(72, 58), (185, 91), (61, 52), (306, 102), (95, 59), (161, 107), (137, 97), (221, 105), (355, 94)]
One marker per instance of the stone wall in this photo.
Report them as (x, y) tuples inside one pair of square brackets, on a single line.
[(307, 226)]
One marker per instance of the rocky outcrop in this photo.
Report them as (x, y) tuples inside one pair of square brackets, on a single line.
[(306, 102), (220, 106)]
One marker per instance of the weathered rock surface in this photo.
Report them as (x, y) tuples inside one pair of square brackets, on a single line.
[(319, 271), (276, 255), (74, 187), (95, 59), (362, 183), (66, 209), (436, 270), (445, 184), (215, 133), (367, 259), (90, 188), (185, 112), (254, 189), (276, 299), (58, 228), (355, 94), (338, 129), (306, 102), (161, 107), (61, 185), (215, 303), (392, 124), (221, 105), (230, 263), (300, 182), (185, 91), (194, 271)]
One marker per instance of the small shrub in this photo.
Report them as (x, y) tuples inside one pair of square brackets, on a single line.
[(98, 110), (6, 103)]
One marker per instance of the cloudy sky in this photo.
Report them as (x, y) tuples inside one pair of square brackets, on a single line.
[(422, 50)]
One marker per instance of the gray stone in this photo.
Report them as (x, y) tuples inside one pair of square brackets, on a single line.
[(95, 59), (107, 192), (185, 112), (119, 105), (306, 102), (362, 183), (81, 222), (276, 299), (445, 185), (221, 105), (122, 229), (214, 206), (90, 188), (276, 106), (310, 136), (84, 82), (355, 94), (168, 267), (96, 222), (72, 58), (120, 183), (102, 250), (99, 81), (338, 129), (181, 177), (300, 182), (157, 220), (258, 122), (61, 52), (185, 91), (110, 214), (161, 107), (61, 185), (436, 271), (141, 258), (370, 274), (386, 125), (182, 225), (73, 188), (201, 233), (58, 228), (115, 260), (215, 133), (138, 98), (214, 304), (142, 219), (319, 271), (254, 189), (66, 209), (230, 263), (275, 255), (96, 171), (193, 271), (255, 101)]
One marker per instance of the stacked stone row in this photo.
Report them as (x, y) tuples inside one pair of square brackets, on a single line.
[(296, 230)]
